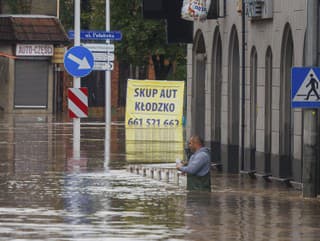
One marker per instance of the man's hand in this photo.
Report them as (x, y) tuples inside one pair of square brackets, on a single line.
[(178, 165)]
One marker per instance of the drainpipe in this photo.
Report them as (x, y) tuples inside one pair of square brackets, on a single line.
[(243, 81), (310, 116)]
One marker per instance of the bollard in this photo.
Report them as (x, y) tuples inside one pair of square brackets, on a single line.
[(178, 176), (168, 175)]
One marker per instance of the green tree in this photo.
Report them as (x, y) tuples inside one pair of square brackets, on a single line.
[(67, 14), (19, 6), (141, 38), (144, 38)]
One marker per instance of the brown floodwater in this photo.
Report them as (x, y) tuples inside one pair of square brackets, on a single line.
[(48, 194)]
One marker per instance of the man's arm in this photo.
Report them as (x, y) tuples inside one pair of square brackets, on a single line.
[(195, 164)]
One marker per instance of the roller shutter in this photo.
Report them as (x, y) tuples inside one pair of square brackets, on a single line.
[(31, 84)]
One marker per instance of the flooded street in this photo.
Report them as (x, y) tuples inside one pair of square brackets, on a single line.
[(47, 194)]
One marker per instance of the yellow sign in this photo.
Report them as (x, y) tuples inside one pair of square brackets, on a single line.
[(154, 110), (154, 103), (58, 55)]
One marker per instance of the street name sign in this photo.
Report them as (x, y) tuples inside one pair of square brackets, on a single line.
[(104, 66), (305, 87), (78, 61), (98, 56), (97, 35), (99, 47), (103, 55)]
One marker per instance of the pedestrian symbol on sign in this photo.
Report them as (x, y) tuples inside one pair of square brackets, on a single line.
[(308, 89), (313, 86)]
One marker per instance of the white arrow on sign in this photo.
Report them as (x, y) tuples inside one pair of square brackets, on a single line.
[(83, 63)]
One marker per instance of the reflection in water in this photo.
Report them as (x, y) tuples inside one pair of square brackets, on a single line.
[(243, 216), (93, 206), (107, 142), (47, 195), (154, 145)]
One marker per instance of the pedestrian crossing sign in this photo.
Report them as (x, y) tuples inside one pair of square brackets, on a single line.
[(305, 87)]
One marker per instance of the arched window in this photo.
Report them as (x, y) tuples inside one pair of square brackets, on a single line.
[(216, 77), (233, 88), (286, 123), (198, 87), (233, 102), (268, 111), (268, 101), (253, 96), (216, 87)]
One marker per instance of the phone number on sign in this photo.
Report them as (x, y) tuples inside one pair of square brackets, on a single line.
[(152, 122)]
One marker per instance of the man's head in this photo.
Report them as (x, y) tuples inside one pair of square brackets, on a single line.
[(195, 143)]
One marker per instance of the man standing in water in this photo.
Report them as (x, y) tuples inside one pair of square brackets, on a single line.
[(198, 168)]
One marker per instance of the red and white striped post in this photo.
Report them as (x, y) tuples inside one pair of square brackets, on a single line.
[(78, 102)]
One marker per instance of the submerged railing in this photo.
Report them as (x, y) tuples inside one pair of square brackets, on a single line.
[(161, 172)]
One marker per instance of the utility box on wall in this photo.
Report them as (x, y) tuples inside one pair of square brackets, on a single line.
[(259, 9)]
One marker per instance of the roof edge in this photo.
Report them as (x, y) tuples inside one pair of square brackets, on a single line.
[(25, 16)]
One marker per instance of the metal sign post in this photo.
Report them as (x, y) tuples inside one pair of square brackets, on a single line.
[(76, 81), (108, 73), (108, 97)]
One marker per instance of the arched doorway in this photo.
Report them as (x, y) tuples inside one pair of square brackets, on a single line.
[(286, 123), (216, 83), (233, 101), (198, 87)]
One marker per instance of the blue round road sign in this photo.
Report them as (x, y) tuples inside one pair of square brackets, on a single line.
[(78, 61)]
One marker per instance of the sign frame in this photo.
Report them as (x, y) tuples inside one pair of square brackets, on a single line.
[(302, 93)]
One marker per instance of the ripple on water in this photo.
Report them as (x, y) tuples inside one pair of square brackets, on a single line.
[(92, 206)]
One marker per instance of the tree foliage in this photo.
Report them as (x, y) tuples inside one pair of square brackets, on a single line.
[(141, 38), (19, 6)]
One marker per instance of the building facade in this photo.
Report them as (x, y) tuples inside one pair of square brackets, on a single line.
[(27, 46), (271, 132)]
